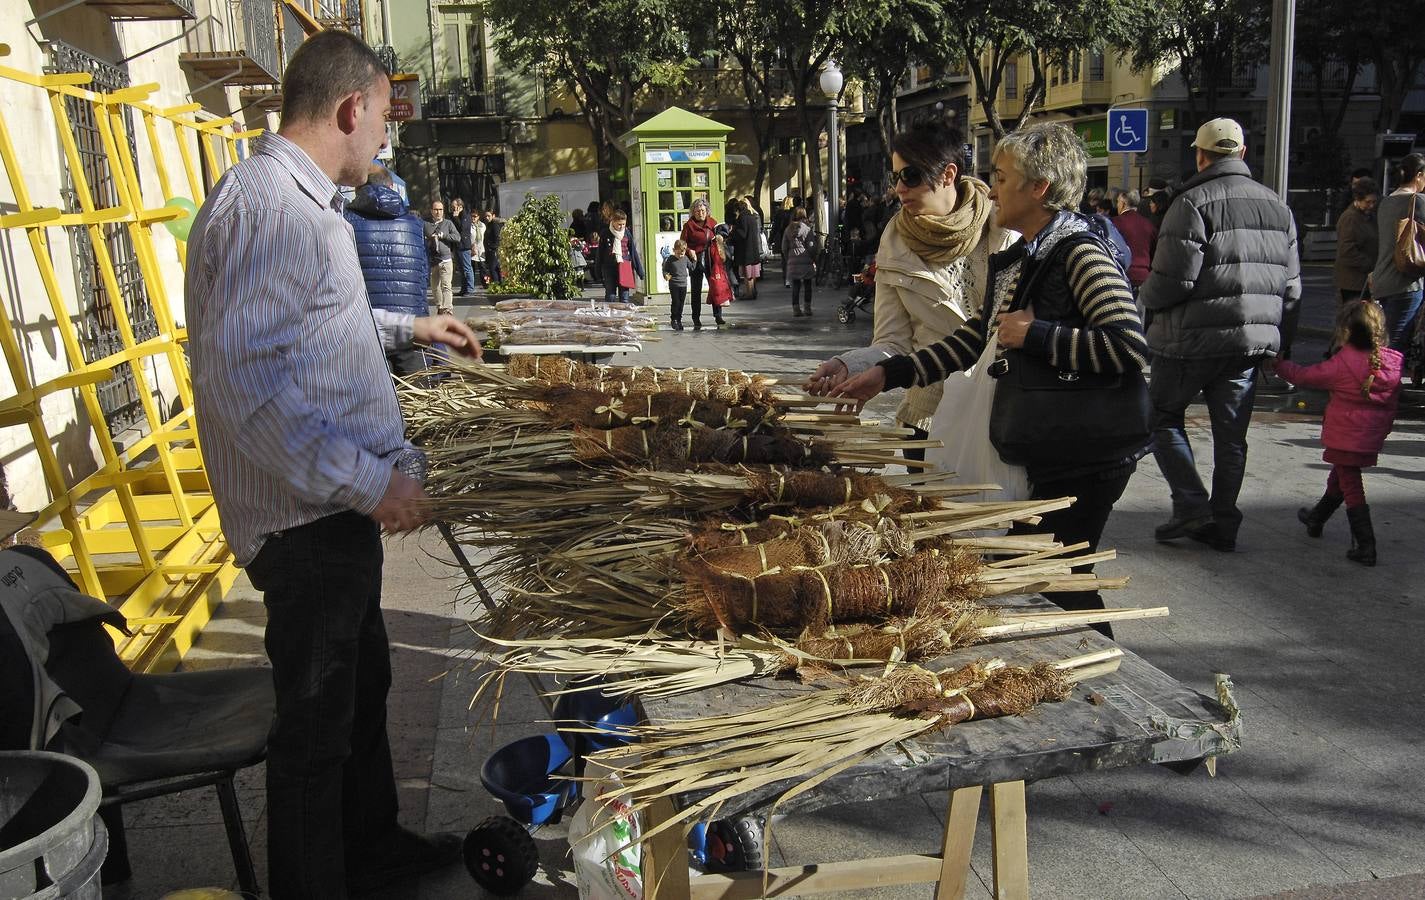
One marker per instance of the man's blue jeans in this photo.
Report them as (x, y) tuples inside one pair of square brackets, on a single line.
[(1400, 312), (1229, 385), (467, 272)]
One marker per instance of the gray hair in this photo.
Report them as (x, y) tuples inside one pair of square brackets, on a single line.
[(1052, 152), (1132, 198)]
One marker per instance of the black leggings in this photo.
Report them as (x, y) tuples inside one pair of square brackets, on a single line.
[(797, 287)]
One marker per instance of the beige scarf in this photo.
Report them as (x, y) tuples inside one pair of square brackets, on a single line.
[(943, 239)]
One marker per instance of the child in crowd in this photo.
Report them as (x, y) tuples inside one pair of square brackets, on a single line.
[(1364, 380), (677, 268)]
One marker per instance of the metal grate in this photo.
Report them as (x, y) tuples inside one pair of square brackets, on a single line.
[(472, 178), (98, 330)]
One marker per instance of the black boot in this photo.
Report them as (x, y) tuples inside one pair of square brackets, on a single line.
[(796, 309), (1315, 518), (1363, 536)]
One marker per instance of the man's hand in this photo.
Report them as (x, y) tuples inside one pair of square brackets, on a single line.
[(827, 376), (862, 387), (403, 507), (446, 329), (1013, 327)]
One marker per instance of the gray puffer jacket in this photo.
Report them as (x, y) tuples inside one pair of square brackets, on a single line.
[(1225, 272)]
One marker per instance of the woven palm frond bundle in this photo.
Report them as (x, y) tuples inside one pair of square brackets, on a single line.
[(805, 740)]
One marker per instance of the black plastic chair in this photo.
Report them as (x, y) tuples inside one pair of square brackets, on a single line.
[(150, 735)]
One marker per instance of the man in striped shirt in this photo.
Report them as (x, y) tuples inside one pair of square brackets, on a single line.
[(305, 448)]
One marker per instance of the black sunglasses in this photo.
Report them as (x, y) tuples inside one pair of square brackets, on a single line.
[(910, 176)]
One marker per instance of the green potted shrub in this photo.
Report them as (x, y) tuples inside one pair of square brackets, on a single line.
[(534, 252)]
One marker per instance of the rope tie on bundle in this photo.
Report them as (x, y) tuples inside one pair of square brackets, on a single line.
[(886, 580)]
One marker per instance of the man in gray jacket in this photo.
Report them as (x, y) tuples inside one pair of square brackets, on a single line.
[(1225, 276)]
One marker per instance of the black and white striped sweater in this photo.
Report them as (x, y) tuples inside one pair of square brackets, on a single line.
[(1109, 338)]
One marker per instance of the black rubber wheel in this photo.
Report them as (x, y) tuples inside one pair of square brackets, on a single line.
[(734, 845), (845, 314), (500, 855)]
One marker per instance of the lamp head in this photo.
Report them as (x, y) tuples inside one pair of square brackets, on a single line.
[(831, 80)]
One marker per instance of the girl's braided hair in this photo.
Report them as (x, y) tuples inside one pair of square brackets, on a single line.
[(1361, 324)]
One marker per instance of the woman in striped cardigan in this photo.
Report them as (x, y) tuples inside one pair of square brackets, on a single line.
[(1058, 293)]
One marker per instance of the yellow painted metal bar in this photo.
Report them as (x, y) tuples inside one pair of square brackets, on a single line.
[(126, 540), (190, 169), (125, 177), (139, 234), (99, 245), (153, 507)]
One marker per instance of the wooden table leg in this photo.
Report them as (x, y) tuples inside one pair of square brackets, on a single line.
[(665, 855), (960, 820), (1011, 841)]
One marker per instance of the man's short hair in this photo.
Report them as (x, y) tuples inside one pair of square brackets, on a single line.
[(1132, 198), (327, 67), (379, 175), (1364, 187)]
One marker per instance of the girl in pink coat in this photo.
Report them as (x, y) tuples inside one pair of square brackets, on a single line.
[(1364, 380)]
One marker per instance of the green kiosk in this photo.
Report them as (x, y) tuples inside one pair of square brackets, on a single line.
[(673, 159)]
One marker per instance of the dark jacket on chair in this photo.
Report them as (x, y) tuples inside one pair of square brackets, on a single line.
[(390, 242)]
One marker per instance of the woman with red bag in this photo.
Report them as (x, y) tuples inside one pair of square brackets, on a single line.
[(618, 259), (699, 234)]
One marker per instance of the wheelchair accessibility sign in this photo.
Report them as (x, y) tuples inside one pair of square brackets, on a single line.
[(1128, 131)]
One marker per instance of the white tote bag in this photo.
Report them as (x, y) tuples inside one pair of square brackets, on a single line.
[(962, 424)]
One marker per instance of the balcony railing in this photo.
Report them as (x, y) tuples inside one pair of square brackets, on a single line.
[(1333, 76), (145, 9), (461, 98), (237, 44)]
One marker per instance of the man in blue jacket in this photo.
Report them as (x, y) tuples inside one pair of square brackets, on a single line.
[(390, 241)]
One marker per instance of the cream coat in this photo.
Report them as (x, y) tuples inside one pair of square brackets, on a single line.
[(917, 305)]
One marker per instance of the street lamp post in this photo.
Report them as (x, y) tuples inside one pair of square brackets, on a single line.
[(831, 82)]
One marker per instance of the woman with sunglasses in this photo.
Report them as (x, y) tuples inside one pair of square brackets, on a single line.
[(1058, 295), (930, 264)]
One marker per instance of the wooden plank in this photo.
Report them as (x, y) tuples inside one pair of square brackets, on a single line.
[(1009, 825), (960, 818), (818, 878), (665, 855)]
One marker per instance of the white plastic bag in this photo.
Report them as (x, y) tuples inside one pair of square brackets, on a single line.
[(962, 424), (597, 830)]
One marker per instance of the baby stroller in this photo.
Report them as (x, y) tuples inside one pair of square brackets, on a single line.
[(533, 777), (863, 292)]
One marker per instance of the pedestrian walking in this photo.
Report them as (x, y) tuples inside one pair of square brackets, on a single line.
[(932, 268), (799, 259), (747, 234), (1357, 240), (390, 243), (477, 248), (1139, 233), (1225, 276), (461, 217), (678, 269), (1059, 301), (306, 453), (494, 225), (619, 259), (698, 233), (1364, 378), (1399, 294), (442, 240)]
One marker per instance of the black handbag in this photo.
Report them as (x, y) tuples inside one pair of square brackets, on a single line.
[(1047, 416)]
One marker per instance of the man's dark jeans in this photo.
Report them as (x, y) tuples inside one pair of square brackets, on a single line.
[(331, 793), (1229, 385)]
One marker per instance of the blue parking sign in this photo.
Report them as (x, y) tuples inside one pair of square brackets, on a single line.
[(1128, 131)]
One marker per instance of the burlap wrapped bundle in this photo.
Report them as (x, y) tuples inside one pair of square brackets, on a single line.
[(816, 597), (569, 405), (673, 443)]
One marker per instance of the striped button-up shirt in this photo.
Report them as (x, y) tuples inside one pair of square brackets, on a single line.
[(296, 411)]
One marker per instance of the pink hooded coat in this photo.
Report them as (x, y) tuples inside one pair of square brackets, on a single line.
[(1354, 423)]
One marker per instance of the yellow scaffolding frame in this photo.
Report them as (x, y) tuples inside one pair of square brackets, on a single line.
[(142, 531)]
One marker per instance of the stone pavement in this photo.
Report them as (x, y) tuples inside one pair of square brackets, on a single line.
[(1323, 801)]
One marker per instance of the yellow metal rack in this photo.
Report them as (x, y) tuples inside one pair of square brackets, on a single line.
[(142, 530)]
